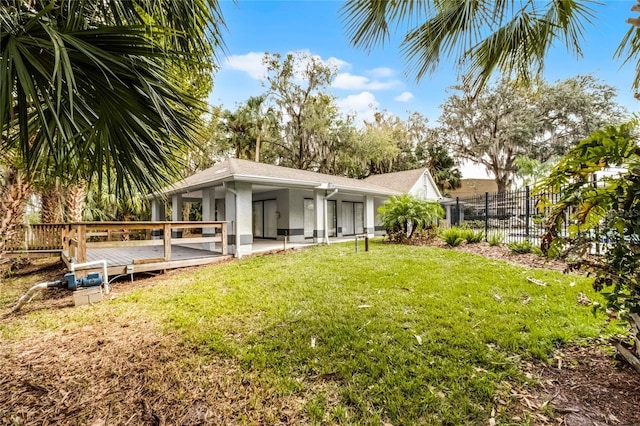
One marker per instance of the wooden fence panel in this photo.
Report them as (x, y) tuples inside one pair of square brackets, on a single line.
[(41, 236)]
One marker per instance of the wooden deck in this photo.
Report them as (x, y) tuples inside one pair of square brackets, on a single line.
[(130, 247), (144, 259)]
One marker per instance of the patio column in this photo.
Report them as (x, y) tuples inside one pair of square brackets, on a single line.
[(176, 214), (158, 214), (318, 225), (239, 211), (208, 214), (369, 216)]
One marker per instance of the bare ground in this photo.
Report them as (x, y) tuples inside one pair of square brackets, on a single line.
[(129, 373)]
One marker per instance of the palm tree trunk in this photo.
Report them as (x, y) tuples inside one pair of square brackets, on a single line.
[(51, 205), (257, 159), (13, 200), (76, 198)]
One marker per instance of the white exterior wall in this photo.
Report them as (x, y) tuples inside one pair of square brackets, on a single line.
[(296, 213), (238, 211), (425, 188), (208, 214), (282, 200), (379, 229)]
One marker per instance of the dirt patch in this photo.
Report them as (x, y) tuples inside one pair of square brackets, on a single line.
[(587, 386), (503, 253), (129, 373), (500, 252)]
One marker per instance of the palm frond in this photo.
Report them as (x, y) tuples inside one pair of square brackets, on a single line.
[(481, 36), (87, 87)]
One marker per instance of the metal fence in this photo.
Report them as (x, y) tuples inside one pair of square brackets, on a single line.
[(516, 215)]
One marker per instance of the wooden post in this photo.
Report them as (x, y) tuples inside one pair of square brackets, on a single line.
[(224, 238), (65, 239), (167, 242), (70, 237), (82, 243)]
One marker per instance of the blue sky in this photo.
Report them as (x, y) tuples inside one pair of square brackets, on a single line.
[(377, 80)]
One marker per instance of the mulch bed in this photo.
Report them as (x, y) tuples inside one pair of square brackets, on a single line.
[(588, 386)]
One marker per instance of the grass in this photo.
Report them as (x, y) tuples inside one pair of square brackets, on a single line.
[(399, 334)]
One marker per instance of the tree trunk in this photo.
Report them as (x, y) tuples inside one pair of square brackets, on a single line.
[(76, 198), (51, 207), (13, 200), (257, 159)]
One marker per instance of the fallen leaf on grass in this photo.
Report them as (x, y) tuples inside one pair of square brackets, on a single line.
[(537, 282), (363, 306), (418, 338)]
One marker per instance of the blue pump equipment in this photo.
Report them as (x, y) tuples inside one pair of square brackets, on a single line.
[(93, 279), (71, 282)]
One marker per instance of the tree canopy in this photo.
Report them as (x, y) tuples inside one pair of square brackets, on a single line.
[(503, 121)]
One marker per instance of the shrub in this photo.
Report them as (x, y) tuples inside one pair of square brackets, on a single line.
[(404, 215), (453, 236), (608, 211), (495, 238), (521, 247), (472, 236)]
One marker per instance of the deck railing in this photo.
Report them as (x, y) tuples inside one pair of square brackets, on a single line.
[(36, 237), (78, 237)]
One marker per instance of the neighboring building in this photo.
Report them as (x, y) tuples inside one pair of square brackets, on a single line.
[(272, 202), (471, 187)]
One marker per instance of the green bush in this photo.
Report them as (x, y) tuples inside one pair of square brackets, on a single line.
[(495, 238), (404, 215), (607, 212), (472, 236), (521, 247), (453, 236)]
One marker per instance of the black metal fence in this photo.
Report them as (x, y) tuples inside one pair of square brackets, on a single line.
[(513, 215)]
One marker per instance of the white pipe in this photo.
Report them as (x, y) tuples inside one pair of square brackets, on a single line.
[(326, 218), (29, 295), (75, 266)]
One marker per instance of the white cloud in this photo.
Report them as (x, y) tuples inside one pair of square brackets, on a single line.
[(338, 63), (404, 97), (332, 61), (381, 72), (349, 81), (251, 63), (364, 105)]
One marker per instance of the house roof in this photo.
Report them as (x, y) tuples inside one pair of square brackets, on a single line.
[(398, 181), (234, 169), (404, 181)]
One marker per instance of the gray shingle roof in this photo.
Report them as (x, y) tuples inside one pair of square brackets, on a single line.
[(398, 181), (234, 169)]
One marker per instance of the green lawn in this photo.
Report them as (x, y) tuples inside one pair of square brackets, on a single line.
[(405, 335)]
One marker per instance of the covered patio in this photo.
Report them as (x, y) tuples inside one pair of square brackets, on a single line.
[(266, 202)]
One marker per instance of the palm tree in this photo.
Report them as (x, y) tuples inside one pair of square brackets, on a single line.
[(89, 88), (442, 168), (261, 119), (512, 37)]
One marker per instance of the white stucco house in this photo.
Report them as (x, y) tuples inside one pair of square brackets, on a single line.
[(272, 202)]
